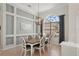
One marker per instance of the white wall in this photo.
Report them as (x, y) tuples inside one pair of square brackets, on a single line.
[(74, 22), (0, 14), (61, 9), (0, 24)]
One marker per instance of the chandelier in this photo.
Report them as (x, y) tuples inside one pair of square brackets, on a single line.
[(38, 18)]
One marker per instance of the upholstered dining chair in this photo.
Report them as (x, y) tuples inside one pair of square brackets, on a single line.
[(37, 37), (25, 47), (40, 46), (47, 37), (30, 37)]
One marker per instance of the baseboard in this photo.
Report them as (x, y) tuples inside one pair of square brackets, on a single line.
[(6, 48)]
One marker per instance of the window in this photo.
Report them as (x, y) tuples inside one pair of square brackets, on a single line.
[(18, 40), (9, 8), (9, 24), (9, 40), (23, 26), (53, 18)]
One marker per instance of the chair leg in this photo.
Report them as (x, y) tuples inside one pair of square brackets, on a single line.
[(33, 51), (40, 51), (24, 52), (43, 50)]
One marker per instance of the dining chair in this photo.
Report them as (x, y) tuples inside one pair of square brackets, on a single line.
[(47, 37), (37, 37), (30, 37), (40, 46), (25, 46)]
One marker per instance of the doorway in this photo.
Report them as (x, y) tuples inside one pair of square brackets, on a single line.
[(61, 30), (57, 27)]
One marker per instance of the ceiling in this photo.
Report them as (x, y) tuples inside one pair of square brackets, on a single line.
[(34, 8), (40, 7)]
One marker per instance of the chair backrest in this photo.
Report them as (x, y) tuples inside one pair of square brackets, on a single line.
[(53, 35), (47, 35), (30, 37), (23, 41), (26, 38), (42, 41), (37, 37)]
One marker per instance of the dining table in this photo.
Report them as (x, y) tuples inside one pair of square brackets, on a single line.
[(32, 42)]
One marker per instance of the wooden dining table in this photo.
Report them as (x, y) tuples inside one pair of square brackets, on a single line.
[(33, 42)]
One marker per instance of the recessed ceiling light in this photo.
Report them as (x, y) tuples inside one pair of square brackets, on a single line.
[(29, 5)]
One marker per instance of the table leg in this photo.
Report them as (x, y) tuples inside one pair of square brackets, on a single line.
[(31, 50)]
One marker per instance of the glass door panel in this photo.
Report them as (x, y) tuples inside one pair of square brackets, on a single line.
[(9, 24)]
